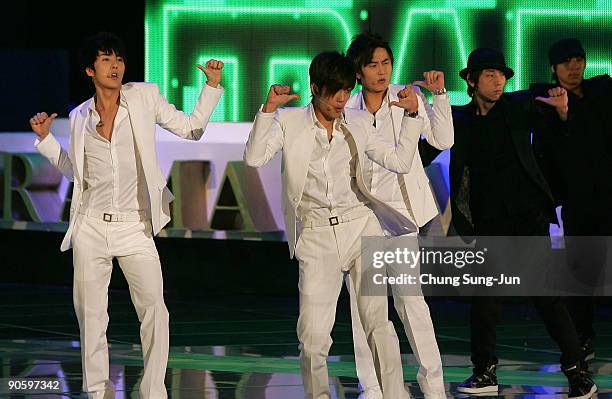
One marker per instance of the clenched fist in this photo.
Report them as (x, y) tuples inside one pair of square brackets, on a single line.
[(278, 96), (434, 80), (41, 123), (557, 98), (212, 70), (407, 99)]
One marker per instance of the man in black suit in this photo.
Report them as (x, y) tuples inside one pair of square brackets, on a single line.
[(577, 162), (497, 189)]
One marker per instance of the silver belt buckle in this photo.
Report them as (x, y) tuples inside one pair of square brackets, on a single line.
[(107, 217), (333, 221)]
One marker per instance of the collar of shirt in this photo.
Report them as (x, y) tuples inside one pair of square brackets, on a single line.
[(338, 123), (122, 102), (383, 107), (494, 113)]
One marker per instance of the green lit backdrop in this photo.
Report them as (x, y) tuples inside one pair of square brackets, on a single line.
[(265, 42)]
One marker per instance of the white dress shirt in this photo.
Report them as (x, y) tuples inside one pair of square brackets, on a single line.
[(330, 188), (385, 184), (112, 173)]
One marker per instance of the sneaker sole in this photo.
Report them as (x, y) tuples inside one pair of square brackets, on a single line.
[(490, 388), (588, 395)]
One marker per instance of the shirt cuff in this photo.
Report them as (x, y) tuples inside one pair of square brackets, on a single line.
[(441, 98), (41, 145), (262, 114), (213, 89), (418, 119)]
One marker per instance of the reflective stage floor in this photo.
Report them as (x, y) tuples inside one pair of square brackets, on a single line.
[(246, 347)]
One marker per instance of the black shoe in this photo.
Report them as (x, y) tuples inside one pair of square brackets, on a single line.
[(480, 382), (586, 346), (581, 386)]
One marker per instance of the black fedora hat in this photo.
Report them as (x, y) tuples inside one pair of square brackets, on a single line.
[(564, 49), (486, 58)]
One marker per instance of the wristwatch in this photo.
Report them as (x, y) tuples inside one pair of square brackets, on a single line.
[(438, 92), (412, 114)]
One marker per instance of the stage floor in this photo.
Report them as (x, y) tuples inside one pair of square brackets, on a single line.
[(246, 347)]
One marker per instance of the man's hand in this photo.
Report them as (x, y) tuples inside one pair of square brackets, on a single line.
[(212, 71), (41, 123), (278, 96), (407, 99), (557, 98), (434, 80)]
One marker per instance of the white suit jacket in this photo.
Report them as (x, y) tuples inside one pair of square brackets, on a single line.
[(146, 108), (291, 130), (438, 131)]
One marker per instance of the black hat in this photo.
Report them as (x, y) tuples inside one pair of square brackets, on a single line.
[(486, 58), (564, 49)]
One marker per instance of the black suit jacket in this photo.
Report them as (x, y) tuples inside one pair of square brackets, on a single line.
[(577, 159), (521, 115)]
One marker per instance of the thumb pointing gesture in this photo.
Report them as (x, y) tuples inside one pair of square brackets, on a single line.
[(212, 70), (41, 123)]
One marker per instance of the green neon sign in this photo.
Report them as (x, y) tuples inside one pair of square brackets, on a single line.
[(291, 71), (579, 23), (227, 109), (263, 44), (168, 38)]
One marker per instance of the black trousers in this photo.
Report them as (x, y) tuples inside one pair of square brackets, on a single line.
[(588, 235), (486, 311), (485, 315)]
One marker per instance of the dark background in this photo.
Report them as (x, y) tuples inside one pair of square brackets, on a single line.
[(38, 53)]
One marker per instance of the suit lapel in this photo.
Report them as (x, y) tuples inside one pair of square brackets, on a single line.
[(522, 144), (302, 147), (143, 137), (78, 140), (462, 118)]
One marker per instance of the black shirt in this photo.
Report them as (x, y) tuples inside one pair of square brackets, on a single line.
[(500, 187)]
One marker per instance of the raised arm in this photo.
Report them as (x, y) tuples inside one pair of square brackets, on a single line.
[(48, 146), (399, 158), (267, 134), (438, 126), (191, 127)]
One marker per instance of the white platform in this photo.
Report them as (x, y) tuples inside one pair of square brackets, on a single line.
[(221, 143)]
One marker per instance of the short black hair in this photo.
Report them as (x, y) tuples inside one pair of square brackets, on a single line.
[(473, 76), (361, 50), (331, 71), (105, 42)]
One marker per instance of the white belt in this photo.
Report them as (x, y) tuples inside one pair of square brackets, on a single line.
[(335, 220), (133, 216)]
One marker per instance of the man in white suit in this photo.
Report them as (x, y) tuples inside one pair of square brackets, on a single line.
[(119, 202), (409, 194), (325, 151)]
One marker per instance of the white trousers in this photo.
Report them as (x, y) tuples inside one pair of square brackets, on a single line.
[(414, 314), (95, 243), (325, 254)]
